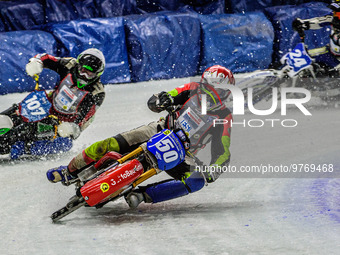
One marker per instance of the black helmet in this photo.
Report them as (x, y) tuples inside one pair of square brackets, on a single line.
[(91, 64)]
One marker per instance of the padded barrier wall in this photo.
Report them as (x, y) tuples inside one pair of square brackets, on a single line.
[(241, 6), (21, 15), (115, 8), (158, 45), (67, 10), (16, 49), (199, 6), (105, 34), (241, 42), (2, 26), (163, 46)]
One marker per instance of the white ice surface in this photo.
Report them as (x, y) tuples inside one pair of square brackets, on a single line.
[(231, 216)]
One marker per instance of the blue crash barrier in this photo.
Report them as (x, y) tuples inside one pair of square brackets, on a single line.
[(240, 6), (163, 46), (285, 37), (208, 6), (239, 42), (115, 8), (66, 10), (105, 34), (151, 46), (200, 6), (2, 26), (16, 49), (21, 15)]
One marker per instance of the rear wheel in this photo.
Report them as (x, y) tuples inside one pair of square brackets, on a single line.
[(74, 204)]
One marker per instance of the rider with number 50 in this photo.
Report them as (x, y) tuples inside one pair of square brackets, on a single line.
[(187, 99), (74, 101)]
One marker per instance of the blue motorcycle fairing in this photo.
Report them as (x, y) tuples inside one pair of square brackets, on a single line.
[(167, 148), (298, 59), (35, 106)]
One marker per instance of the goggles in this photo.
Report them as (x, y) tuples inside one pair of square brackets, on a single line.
[(86, 71)]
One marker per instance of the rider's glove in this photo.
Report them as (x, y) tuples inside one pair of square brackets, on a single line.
[(34, 66), (299, 25), (69, 129), (164, 100)]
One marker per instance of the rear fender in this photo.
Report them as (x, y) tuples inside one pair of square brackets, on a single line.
[(108, 158), (5, 122)]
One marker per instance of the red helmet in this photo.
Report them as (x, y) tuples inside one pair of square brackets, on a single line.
[(217, 74), (214, 83)]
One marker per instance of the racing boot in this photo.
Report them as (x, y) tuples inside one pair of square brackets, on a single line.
[(133, 199), (17, 150), (58, 174)]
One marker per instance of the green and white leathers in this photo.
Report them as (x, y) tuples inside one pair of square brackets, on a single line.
[(91, 65)]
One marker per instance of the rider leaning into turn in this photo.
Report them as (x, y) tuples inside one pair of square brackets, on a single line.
[(74, 99), (81, 77), (328, 57), (185, 179)]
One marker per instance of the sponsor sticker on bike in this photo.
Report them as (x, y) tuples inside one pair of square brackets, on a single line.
[(104, 187), (298, 59)]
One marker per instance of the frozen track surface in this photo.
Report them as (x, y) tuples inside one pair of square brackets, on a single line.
[(232, 216)]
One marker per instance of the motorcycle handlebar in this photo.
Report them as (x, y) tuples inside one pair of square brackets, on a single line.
[(36, 78)]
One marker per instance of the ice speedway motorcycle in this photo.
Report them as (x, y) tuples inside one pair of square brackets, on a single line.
[(28, 128), (113, 177), (298, 70)]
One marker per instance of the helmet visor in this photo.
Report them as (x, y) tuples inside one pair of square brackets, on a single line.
[(216, 96), (91, 63)]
